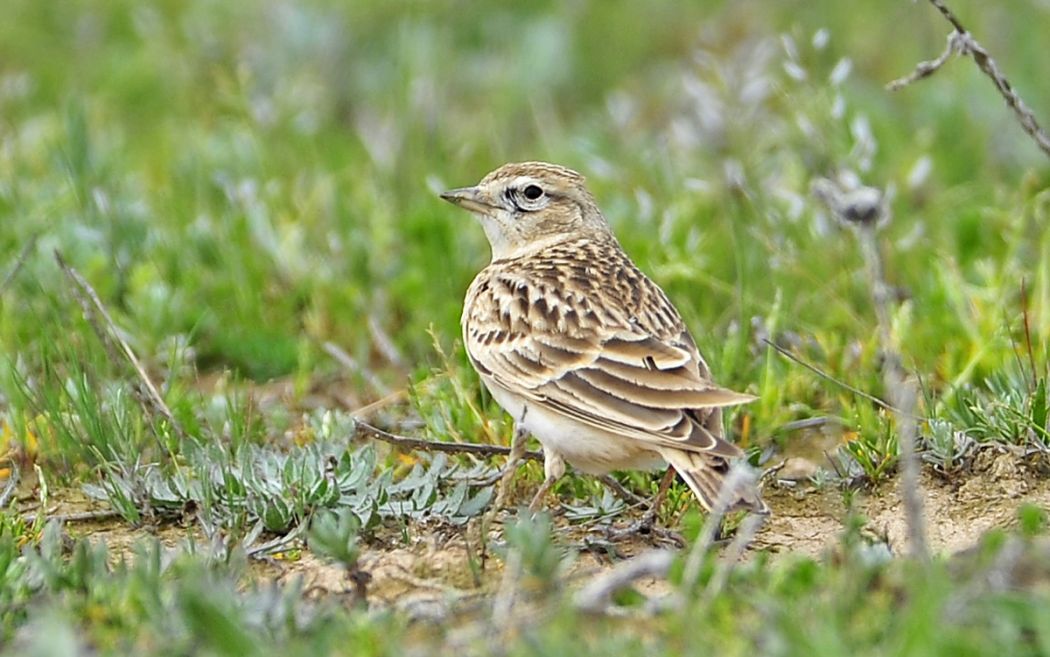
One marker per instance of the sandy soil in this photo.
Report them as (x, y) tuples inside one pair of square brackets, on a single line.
[(434, 564), (958, 509)]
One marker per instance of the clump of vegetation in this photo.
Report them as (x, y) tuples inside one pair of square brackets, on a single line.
[(247, 195)]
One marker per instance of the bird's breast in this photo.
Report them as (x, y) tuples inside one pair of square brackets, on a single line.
[(586, 448)]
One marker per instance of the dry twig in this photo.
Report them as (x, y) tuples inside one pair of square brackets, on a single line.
[(905, 395), (118, 349), (385, 344), (81, 516), (744, 535), (596, 595), (740, 475), (341, 356), (961, 42), (405, 442), (824, 375), (855, 208)]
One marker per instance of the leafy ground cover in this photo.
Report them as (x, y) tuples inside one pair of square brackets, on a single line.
[(249, 190)]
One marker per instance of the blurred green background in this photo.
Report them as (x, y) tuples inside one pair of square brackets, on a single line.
[(252, 187), (243, 181)]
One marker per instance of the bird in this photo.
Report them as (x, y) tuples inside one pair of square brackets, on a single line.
[(583, 350)]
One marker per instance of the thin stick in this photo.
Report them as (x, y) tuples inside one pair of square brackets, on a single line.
[(911, 488), (962, 42), (476, 449), (855, 210), (824, 375), (116, 347), (82, 516), (20, 262), (925, 69), (739, 475), (369, 409), (349, 362), (949, 15), (1028, 332), (385, 344), (596, 595), (901, 389), (744, 535)]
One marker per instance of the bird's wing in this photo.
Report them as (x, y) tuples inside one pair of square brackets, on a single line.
[(632, 371)]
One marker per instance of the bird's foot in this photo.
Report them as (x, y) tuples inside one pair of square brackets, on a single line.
[(536, 505), (646, 529)]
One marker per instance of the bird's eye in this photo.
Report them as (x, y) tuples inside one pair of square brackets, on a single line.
[(532, 192)]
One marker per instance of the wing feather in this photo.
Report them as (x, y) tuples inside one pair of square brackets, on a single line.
[(606, 348)]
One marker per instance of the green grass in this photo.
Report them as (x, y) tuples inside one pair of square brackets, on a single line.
[(159, 602), (244, 182)]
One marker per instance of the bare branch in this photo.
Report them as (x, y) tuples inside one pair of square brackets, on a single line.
[(405, 442), (81, 516), (904, 394), (926, 68), (961, 42), (901, 389), (952, 18)]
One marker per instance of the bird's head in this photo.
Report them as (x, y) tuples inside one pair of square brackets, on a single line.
[(526, 206)]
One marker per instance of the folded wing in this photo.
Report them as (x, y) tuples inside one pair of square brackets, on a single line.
[(647, 382)]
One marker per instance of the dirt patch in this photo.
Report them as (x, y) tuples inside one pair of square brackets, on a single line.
[(433, 568), (437, 563), (959, 509)]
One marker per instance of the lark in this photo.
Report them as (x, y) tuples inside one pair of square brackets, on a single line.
[(581, 348)]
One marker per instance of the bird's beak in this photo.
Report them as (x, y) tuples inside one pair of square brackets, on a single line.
[(468, 198)]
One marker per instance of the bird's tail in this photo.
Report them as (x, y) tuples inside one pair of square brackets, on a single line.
[(708, 477)]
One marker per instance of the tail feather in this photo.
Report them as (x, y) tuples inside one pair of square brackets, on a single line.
[(706, 476)]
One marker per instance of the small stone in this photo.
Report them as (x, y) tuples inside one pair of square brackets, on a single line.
[(797, 468)]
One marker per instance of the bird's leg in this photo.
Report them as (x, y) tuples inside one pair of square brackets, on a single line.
[(553, 469), (517, 450), (646, 524), (649, 519), (618, 489)]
